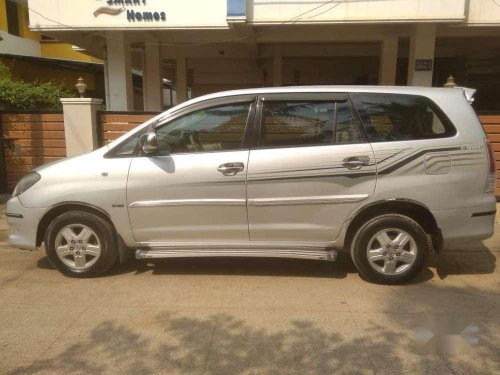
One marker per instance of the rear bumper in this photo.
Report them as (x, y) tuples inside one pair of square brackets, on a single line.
[(23, 224), (470, 223)]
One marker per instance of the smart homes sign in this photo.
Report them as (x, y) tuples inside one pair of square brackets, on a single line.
[(127, 14), (135, 11)]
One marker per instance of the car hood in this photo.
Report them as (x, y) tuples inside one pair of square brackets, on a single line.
[(70, 159)]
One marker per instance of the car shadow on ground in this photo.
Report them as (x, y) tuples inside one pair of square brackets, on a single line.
[(463, 258), (476, 259), (231, 266)]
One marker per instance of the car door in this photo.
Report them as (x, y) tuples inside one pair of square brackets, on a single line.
[(193, 188), (312, 166)]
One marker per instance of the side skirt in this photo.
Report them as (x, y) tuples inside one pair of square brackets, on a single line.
[(301, 253)]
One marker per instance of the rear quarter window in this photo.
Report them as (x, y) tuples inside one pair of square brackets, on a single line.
[(399, 117)]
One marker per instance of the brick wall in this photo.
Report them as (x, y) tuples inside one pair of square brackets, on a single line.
[(115, 124), (491, 124), (30, 140)]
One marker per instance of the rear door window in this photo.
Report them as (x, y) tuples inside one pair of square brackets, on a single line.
[(397, 117), (297, 123), (307, 123)]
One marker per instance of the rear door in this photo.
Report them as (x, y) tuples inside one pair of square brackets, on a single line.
[(310, 168)]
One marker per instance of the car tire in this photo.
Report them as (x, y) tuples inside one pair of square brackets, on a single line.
[(81, 244), (390, 249)]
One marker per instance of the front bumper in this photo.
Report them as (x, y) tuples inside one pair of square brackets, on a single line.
[(23, 224)]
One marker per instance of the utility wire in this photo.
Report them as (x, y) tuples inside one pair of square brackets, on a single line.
[(223, 41)]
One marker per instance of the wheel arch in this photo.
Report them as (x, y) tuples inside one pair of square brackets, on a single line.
[(413, 209), (64, 207)]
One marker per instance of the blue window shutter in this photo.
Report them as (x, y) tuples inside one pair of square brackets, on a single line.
[(236, 8)]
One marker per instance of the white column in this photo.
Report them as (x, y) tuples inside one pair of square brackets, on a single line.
[(119, 72), (388, 61), (152, 77), (422, 45), (277, 67), (80, 124), (181, 78)]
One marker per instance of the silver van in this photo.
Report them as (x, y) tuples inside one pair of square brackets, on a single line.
[(385, 173)]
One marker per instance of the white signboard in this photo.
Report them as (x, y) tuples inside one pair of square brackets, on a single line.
[(126, 14), (310, 11)]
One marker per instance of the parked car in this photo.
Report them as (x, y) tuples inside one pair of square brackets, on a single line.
[(385, 173)]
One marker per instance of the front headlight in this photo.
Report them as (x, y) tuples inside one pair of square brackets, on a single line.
[(26, 182)]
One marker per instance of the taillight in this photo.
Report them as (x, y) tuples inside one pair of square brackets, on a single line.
[(490, 183)]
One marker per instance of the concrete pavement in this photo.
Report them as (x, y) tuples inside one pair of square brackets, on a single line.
[(249, 316)]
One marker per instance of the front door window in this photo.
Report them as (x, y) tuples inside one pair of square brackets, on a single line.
[(206, 130)]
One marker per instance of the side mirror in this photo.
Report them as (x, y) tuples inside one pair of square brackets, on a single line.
[(148, 143)]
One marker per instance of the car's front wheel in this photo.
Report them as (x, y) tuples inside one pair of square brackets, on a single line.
[(390, 249), (81, 244)]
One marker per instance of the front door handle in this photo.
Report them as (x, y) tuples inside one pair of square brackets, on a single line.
[(230, 169), (356, 162)]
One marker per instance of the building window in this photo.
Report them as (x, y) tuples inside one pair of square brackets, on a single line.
[(236, 8), (12, 18)]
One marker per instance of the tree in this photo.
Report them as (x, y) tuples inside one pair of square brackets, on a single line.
[(18, 95)]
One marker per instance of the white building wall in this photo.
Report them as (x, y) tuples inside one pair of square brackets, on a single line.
[(266, 11), (484, 12), (175, 14)]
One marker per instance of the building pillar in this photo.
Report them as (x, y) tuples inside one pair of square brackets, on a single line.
[(388, 61), (181, 78), (119, 72), (422, 45), (277, 67), (106, 81), (152, 77), (80, 124)]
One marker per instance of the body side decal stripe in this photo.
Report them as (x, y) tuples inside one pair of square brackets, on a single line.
[(409, 159)]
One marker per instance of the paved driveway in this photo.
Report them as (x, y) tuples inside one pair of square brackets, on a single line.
[(249, 317)]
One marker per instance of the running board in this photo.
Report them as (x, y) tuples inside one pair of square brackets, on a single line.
[(328, 255)]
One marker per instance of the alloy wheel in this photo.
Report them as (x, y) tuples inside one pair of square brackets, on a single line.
[(391, 251), (77, 246)]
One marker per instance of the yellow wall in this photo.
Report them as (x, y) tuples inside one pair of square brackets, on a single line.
[(57, 50), (64, 51), (3, 16), (33, 72), (24, 30)]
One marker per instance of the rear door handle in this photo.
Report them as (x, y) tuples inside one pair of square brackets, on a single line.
[(230, 169), (356, 162)]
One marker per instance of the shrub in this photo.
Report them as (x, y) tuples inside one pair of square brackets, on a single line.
[(19, 95)]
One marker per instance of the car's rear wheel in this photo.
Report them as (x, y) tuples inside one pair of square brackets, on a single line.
[(81, 244), (390, 249)]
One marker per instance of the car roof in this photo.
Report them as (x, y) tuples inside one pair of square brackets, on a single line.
[(408, 90)]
